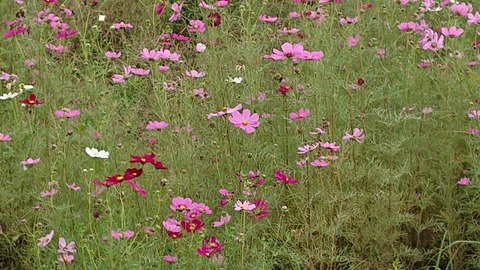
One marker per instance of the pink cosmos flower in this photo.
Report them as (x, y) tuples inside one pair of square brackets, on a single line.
[(200, 47), (150, 54), (64, 248), (464, 181), (181, 204), (177, 8), (307, 148), (317, 131), (348, 20), (319, 163), (201, 207), (196, 26), (222, 221), (427, 110), (473, 131), (5, 137), (44, 241), (65, 258), (330, 145), (245, 121), (68, 113), (462, 9), (118, 78), (246, 206), (306, 55), (203, 4), (163, 68), (432, 41), (284, 178), (300, 115), (451, 31), (474, 114), (170, 258), (121, 25), (266, 18), (73, 186), (30, 161), (473, 18), (48, 193), (425, 63), (353, 41), (139, 71), (58, 49), (172, 225), (224, 111), (156, 125), (166, 54), (285, 30), (66, 33), (113, 54), (288, 51), (195, 74), (357, 135)]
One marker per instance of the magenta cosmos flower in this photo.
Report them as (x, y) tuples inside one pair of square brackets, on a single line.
[(196, 26), (4, 137), (246, 121)]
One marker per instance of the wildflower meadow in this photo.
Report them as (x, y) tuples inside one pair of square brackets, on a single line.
[(240, 134)]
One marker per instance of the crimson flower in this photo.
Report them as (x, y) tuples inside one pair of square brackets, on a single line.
[(192, 226), (215, 19), (31, 100), (284, 89), (147, 158)]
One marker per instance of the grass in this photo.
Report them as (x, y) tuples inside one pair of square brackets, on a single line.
[(390, 201)]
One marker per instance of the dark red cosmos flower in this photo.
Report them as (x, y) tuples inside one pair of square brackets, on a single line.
[(159, 8), (147, 158), (192, 226), (215, 19), (360, 81), (31, 100), (132, 173), (174, 234), (159, 165), (261, 209)]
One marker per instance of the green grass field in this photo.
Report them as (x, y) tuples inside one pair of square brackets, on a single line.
[(239, 134)]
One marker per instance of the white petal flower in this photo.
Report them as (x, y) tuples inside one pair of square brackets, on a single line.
[(234, 80), (93, 152), (101, 18), (8, 95)]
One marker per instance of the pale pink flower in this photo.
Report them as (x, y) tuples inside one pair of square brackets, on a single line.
[(200, 47), (353, 41), (473, 131), (266, 18), (64, 248), (474, 114), (48, 193), (139, 71), (150, 54), (177, 8), (172, 225), (121, 25), (285, 30), (65, 258), (166, 54), (30, 161), (288, 51), (44, 241), (195, 74), (30, 62), (113, 54), (462, 9), (73, 186), (118, 78), (319, 163), (357, 135), (300, 115), (427, 110), (222, 221), (156, 125), (196, 26), (68, 113), (58, 49), (225, 110), (348, 20), (116, 234), (306, 55), (128, 234), (317, 131), (246, 206), (425, 63)]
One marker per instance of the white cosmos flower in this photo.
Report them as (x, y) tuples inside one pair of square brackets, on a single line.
[(101, 18), (8, 95), (234, 80), (93, 152)]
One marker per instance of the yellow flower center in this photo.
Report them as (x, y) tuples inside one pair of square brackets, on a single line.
[(244, 122), (192, 227), (119, 178), (224, 109), (143, 160)]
